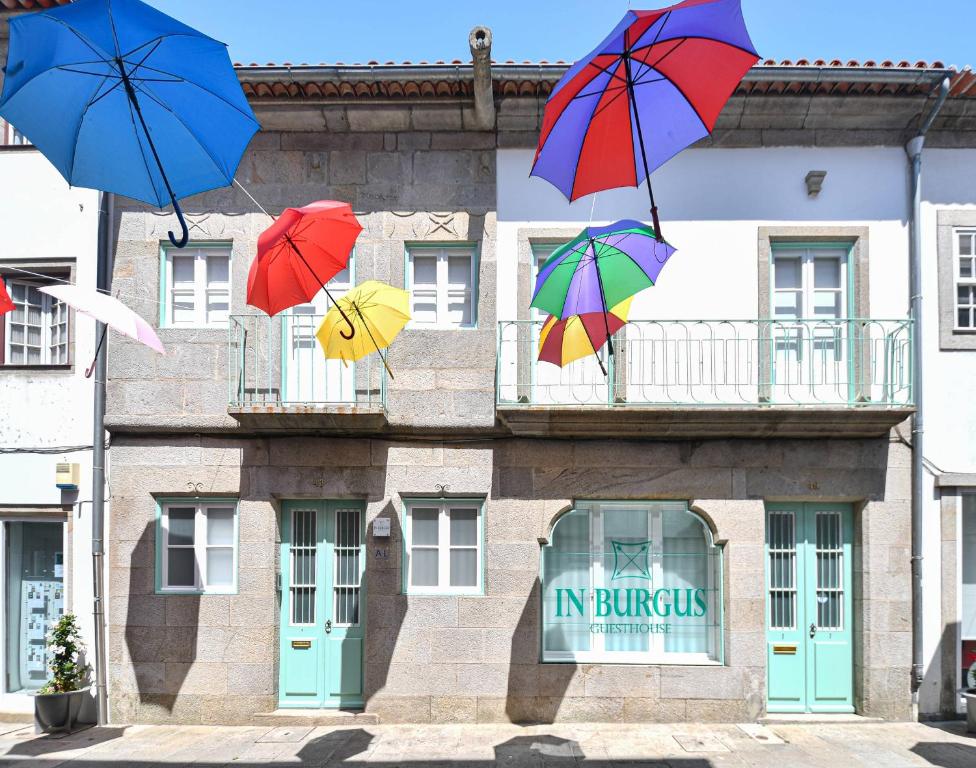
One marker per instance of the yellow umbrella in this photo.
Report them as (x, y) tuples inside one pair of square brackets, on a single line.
[(378, 313)]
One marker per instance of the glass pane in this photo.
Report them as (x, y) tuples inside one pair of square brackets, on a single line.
[(180, 568), (965, 268), (464, 527), (458, 309), (424, 311), (826, 273), (220, 567), (34, 598), (424, 525), (218, 269), (566, 583), (826, 304), (787, 305), (183, 307), (459, 271), (786, 272), (423, 568), (626, 564), (183, 269), (964, 320), (464, 567), (963, 294), (965, 243), (218, 306), (220, 525), (181, 525), (968, 617), (425, 270)]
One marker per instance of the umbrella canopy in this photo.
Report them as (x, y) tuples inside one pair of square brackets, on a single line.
[(654, 86), (108, 310), (300, 253), (6, 303), (377, 311), (563, 341), (122, 98), (600, 268)]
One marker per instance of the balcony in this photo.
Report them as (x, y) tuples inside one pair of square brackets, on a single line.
[(714, 378), (278, 379)]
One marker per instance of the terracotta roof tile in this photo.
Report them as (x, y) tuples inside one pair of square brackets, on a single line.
[(31, 5)]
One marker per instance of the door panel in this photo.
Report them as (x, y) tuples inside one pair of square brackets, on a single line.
[(321, 631), (808, 608)]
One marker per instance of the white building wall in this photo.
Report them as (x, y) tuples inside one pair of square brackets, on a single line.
[(44, 219)]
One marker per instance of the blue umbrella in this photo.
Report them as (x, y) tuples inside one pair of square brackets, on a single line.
[(123, 98)]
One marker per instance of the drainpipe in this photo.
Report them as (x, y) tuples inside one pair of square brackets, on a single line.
[(914, 150), (103, 281), (484, 98)]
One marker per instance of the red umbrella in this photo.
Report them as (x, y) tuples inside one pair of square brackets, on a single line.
[(300, 253), (5, 303)]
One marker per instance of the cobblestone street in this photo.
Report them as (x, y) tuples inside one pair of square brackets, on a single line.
[(479, 746)]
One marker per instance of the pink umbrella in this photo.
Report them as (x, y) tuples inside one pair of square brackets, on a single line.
[(108, 310)]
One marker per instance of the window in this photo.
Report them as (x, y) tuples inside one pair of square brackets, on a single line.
[(443, 547), (11, 137), (965, 279), (631, 582), (35, 331), (967, 597), (443, 286), (198, 546), (809, 283), (196, 287)]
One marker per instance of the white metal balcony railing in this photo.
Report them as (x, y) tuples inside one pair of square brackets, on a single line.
[(846, 363), (276, 362)]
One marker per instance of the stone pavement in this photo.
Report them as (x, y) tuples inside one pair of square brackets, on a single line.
[(844, 745)]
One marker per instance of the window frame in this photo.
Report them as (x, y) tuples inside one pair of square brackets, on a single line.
[(441, 291), (805, 253), (443, 546), (200, 290), (49, 303), (593, 509), (959, 282), (199, 545)]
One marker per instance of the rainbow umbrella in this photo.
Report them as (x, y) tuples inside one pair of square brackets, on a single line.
[(563, 341), (598, 270)]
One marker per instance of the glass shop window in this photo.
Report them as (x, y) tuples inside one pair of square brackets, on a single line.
[(967, 619), (632, 583)]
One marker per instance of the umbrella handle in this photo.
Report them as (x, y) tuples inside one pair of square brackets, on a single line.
[(352, 328), (181, 243)]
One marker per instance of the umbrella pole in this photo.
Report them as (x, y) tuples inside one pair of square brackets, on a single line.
[(352, 328), (603, 299), (131, 93), (640, 139), (372, 339), (101, 340)]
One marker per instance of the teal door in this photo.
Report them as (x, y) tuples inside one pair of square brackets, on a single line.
[(809, 659), (322, 604)]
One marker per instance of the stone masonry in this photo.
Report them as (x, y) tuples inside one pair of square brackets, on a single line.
[(475, 659)]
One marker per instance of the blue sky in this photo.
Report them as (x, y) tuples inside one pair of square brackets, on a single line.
[(360, 30)]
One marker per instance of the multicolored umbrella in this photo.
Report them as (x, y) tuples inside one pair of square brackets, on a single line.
[(108, 310), (600, 268), (563, 341), (298, 254), (6, 303), (654, 86), (378, 311), (123, 98)]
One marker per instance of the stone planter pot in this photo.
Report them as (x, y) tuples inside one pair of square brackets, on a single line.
[(969, 694), (58, 712)]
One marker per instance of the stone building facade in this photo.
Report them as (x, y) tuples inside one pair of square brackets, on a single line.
[(408, 149)]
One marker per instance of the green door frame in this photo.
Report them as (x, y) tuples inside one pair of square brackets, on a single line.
[(321, 653), (809, 653)]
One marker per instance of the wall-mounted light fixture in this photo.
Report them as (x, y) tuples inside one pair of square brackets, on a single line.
[(814, 181)]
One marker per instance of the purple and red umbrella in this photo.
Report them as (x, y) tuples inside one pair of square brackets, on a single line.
[(654, 86)]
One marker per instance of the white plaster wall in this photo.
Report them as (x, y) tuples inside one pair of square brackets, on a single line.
[(712, 202), (949, 386), (42, 218)]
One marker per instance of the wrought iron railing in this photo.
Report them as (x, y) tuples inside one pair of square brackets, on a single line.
[(849, 362), (276, 362)]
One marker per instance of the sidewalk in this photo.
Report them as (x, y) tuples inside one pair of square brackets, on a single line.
[(887, 745)]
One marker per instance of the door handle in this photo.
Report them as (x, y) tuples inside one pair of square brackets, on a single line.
[(328, 626), (813, 630)]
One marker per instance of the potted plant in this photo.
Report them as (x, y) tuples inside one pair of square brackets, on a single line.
[(58, 703), (969, 694)]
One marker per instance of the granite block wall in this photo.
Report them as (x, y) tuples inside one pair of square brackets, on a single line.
[(450, 659)]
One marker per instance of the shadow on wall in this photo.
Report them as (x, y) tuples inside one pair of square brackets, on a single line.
[(160, 631), (386, 606), (535, 690)]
